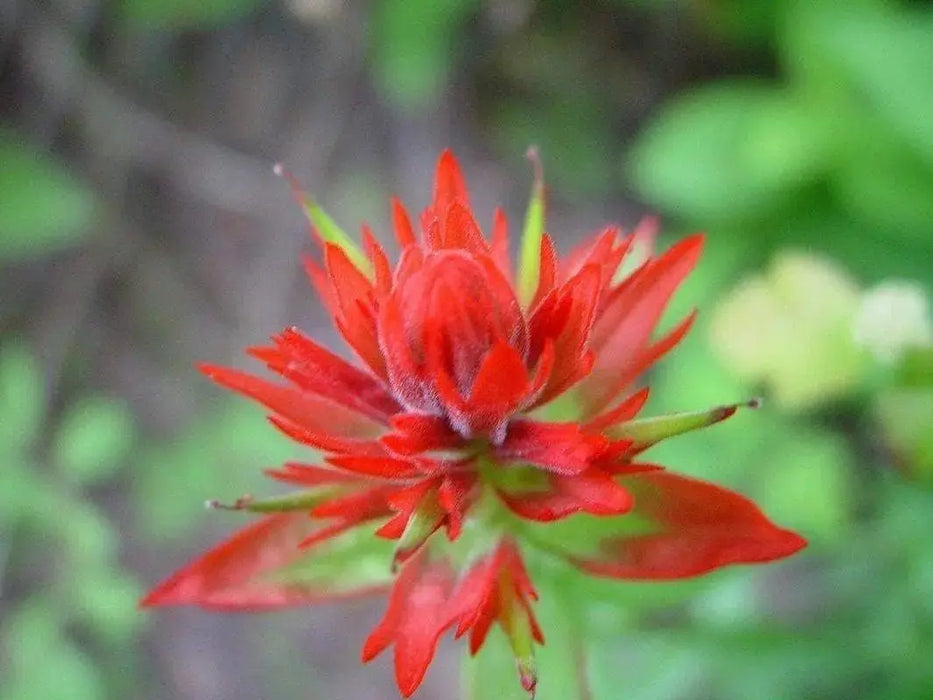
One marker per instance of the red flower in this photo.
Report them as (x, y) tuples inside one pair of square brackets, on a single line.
[(448, 420)]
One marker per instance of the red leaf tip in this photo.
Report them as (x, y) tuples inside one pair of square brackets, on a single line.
[(239, 504), (534, 158), (529, 679)]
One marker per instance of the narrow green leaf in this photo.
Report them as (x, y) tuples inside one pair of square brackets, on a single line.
[(299, 500), (425, 520), (215, 457), (324, 225), (530, 254), (570, 124), (492, 671), (355, 560), (645, 432), (561, 661)]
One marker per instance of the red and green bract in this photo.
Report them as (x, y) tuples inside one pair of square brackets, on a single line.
[(442, 432)]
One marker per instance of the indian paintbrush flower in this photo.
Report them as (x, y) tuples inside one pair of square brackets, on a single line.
[(484, 408)]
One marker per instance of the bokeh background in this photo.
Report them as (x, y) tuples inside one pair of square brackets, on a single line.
[(141, 229)]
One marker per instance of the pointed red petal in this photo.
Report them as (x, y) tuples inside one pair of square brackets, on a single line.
[(593, 492), (449, 185), (625, 326), (325, 441), (472, 603), (604, 249), (310, 412), (567, 317), (500, 241), (405, 374), (417, 432), (658, 349), (404, 233), (500, 387), (382, 269), (355, 296), (628, 468), (321, 283), (235, 574), (512, 558), (357, 506), (299, 474), (700, 527), (626, 372), (319, 371), (547, 274), (542, 507), (455, 494), (626, 410), (460, 230), (491, 591), (483, 623), (561, 448), (542, 373), (383, 467), (596, 492), (350, 285), (414, 621)]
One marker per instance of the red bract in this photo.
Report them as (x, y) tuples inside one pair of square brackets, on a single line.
[(444, 432)]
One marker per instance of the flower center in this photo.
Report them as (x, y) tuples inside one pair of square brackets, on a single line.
[(455, 308)]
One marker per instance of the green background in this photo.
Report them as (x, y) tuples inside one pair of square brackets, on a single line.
[(141, 229)]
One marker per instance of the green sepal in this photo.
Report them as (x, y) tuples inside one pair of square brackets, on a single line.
[(423, 523), (353, 562), (493, 667), (298, 500), (516, 622), (325, 226), (529, 262), (645, 432)]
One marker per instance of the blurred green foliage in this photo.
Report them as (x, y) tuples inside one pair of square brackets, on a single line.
[(824, 175), (185, 14), (216, 457), (81, 602), (835, 156), (414, 46), (812, 170), (753, 324), (43, 207)]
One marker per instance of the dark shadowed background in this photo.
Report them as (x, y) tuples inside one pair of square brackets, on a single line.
[(142, 229)]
